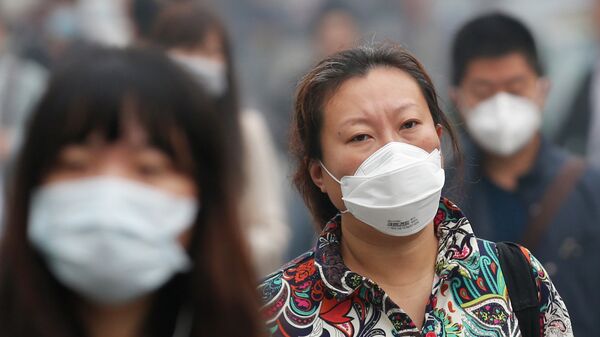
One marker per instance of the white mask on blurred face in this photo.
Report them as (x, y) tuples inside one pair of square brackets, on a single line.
[(504, 123), (109, 239), (396, 190), (209, 73)]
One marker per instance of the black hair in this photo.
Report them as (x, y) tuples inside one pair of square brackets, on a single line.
[(489, 36)]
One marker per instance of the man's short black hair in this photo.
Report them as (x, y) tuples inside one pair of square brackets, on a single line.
[(489, 36)]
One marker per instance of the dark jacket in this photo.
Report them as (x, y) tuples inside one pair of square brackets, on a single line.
[(575, 131)]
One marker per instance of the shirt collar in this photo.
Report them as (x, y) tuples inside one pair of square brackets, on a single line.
[(458, 253)]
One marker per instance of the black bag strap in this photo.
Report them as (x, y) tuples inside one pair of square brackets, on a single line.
[(555, 194), (522, 288)]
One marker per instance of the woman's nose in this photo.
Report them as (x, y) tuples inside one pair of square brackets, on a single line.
[(113, 162), (391, 136)]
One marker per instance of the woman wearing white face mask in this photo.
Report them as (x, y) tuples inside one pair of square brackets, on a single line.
[(197, 40), (122, 218), (393, 258)]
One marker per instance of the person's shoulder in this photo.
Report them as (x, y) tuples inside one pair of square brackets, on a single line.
[(279, 288), (538, 273), (298, 269), (553, 312), (306, 257), (588, 183), (587, 191), (590, 179), (555, 317), (489, 248)]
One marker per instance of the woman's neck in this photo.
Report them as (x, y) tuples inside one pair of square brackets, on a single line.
[(124, 320), (370, 253)]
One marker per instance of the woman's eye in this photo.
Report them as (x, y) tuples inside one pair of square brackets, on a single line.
[(409, 125), (74, 160), (359, 138), (153, 163)]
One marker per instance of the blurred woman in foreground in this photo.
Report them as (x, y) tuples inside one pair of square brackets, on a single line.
[(122, 217)]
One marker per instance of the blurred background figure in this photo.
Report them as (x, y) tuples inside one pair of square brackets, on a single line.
[(336, 29), (21, 84), (197, 40), (105, 22), (123, 212), (332, 27), (580, 131), (518, 186)]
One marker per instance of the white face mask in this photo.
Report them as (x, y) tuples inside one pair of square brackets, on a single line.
[(504, 123), (396, 190), (209, 73), (110, 240)]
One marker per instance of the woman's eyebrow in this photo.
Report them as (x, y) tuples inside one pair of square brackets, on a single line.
[(404, 106), (354, 121)]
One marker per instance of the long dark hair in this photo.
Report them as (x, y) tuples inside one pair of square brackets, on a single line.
[(88, 94), (320, 83)]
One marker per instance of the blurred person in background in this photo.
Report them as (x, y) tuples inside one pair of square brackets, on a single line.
[(122, 217), (518, 186), (394, 257), (61, 29), (580, 131), (53, 27), (105, 22), (21, 84), (336, 29), (197, 40), (333, 28)]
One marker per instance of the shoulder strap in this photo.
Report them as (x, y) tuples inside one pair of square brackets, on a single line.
[(522, 288), (555, 194)]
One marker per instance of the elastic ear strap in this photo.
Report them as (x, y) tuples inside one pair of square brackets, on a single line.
[(334, 178), (329, 173)]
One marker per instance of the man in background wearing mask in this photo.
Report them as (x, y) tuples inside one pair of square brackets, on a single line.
[(517, 186)]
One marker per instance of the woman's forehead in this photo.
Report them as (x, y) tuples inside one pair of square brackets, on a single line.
[(381, 90)]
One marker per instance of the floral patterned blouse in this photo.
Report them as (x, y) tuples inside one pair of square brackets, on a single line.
[(317, 295)]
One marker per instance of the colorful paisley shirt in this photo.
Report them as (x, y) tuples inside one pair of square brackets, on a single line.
[(317, 295)]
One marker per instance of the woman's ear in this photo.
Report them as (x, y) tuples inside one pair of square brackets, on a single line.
[(316, 174), (439, 129)]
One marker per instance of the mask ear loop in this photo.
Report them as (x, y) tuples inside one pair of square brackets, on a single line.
[(334, 178), (329, 173)]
